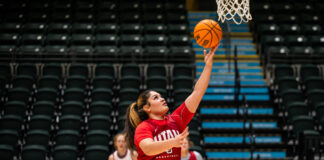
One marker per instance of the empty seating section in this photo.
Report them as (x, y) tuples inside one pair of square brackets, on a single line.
[(53, 109), (95, 28), (56, 106), (299, 90), (289, 31)]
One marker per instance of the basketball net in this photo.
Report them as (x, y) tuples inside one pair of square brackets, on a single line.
[(236, 10)]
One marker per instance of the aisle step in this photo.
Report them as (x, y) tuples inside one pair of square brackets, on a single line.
[(240, 125), (235, 111), (246, 154), (240, 139)]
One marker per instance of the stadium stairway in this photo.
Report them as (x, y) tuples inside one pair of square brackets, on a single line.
[(233, 129)]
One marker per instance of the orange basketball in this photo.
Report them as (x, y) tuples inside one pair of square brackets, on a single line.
[(208, 33)]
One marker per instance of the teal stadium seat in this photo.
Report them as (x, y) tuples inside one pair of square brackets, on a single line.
[(308, 71), (178, 29), (62, 152), (100, 108), (11, 122), (32, 152), (6, 152), (59, 28), (70, 121), (37, 137), (131, 28), (156, 82), (291, 96), (99, 122), (128, 94), (158, 28), (107, 17), (72, 108), (156, 69), (67, 137), (11, 28), (98, 137), (49, 81), (53, 69), (122, 107), (129, 69), (155, 40), (27, 69), (83, 16), (101, 94), (302, 124), (35, 28), (292, 29), (43, 108), (80, 69), (8, 137), (285, 83), (61, 17), (82, 28), (42, 122), (18, 94), (57, 39), (18, 108), (76, 81), (130, 17), (94, 152), (105, 69), (37, 16), (47, 94), (103, 82), (154, 18), (23, 81)]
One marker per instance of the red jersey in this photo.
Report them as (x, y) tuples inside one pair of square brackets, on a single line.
[(160, 130), (192, 156)]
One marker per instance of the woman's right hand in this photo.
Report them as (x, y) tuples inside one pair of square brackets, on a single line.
[(178, 140)]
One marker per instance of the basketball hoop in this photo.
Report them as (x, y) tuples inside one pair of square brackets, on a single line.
[(236, 10)]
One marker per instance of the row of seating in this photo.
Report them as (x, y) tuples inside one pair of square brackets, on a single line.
[(90, 70), (89, 28), (101, 17), (290, 29), (100, 40), (296, 7), (94, 5)]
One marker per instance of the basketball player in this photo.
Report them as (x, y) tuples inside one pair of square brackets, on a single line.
[(158, 135), (122, 152), (189, 155)]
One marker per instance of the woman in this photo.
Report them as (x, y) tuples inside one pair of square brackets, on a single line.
[(189, 155), (122, 152), (157, 135)]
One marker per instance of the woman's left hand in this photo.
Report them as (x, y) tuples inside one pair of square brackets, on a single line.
[(209, 57)]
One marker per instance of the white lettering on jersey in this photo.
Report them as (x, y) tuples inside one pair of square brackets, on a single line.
[(167, 134)]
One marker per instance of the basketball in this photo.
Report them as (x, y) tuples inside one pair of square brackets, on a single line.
[(208, 33)]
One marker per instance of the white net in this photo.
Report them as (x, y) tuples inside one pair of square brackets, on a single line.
[(236, 10)]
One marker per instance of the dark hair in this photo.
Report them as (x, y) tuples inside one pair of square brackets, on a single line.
[(134, 116)]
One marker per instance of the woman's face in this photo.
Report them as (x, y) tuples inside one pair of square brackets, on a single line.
[(185, 145), (120, 142), (158, 105)]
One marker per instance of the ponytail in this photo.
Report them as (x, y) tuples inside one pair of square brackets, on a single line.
[(134, 116)]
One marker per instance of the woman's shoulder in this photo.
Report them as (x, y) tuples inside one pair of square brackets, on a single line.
[(144, 125), (111, 156)]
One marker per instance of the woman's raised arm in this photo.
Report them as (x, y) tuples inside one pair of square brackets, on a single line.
[(195, 97)]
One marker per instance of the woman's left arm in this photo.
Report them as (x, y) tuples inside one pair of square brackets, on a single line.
[(200, 88)]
